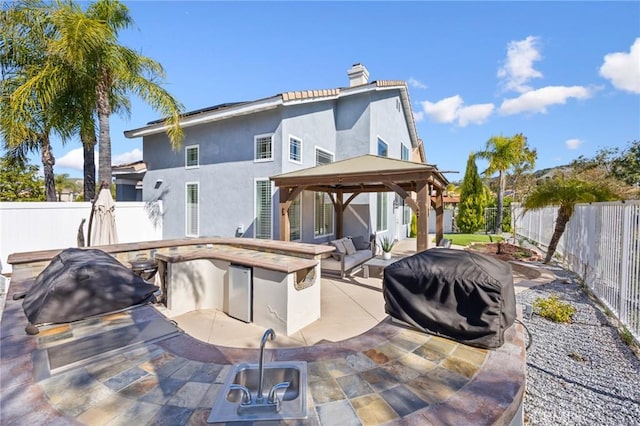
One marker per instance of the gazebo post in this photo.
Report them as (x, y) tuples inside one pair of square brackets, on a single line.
[(439, 207), (339, 214), (422, 215)]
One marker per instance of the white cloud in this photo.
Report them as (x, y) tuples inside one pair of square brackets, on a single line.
[(475, 114), (127, 157), (537, 101), (452, 109), (445, 110), (74, 159), (518, 67), (623, 69), (573, 143), (418, 116), (417, 84)]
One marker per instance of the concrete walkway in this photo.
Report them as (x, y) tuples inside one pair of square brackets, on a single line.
[(350, 307)]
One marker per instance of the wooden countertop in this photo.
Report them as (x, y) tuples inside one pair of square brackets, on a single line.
[(242, 256), (304, 249)]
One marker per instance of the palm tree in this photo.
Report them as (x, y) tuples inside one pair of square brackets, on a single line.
[(27, 118), (117, 70), (61, 181), (78, 36), (503, 154), (104, 73), (565, 193), (82, 73)]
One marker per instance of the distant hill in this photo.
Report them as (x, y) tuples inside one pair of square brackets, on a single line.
[(538, 174), (549, 172)]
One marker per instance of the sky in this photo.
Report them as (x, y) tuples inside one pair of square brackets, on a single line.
[(565, 74)]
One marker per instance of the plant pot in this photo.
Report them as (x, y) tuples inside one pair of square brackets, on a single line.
[(386, 255)]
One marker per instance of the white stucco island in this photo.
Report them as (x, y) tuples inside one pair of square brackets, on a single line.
[(285, 287)]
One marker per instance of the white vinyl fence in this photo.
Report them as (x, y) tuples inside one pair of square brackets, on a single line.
[(602, 244), (43, 226)]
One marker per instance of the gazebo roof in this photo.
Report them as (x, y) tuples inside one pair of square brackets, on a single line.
[(363, 174)]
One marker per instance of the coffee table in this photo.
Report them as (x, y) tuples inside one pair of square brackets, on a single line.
[(377, 262)]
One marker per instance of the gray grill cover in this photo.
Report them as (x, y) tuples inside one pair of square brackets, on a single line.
[(461, 295), (79, 283)]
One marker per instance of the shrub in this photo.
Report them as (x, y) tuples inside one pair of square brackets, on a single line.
[(414, 226), (626, 337), (554, 309)]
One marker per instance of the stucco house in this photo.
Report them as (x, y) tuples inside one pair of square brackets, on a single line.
[(128, 179), (217, 183)]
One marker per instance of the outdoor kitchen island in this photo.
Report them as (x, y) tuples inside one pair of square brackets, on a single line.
[(283, 291), (388, 375), (193, 273)]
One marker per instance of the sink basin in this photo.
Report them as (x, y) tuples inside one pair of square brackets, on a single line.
[(293, 400)]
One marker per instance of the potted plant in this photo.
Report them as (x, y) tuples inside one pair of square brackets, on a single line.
[(386, 244)]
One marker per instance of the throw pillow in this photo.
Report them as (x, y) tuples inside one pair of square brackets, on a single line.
[(339, 245), (359, 243), (348, 245)]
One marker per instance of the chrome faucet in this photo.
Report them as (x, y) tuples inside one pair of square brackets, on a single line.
[(268, 335), (273, 397), (246, 395)]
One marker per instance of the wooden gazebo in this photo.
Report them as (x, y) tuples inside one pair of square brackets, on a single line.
[(368, 173)]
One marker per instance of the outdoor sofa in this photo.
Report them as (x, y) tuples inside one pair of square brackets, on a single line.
[(349, 253)]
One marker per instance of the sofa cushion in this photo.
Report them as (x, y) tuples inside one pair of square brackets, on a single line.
[(340, 248), (331, 264), (357, 258), (359, 243), (348, 245)]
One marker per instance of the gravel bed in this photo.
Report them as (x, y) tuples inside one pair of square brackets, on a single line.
[(580, 373)]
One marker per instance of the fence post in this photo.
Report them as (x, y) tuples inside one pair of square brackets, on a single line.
[(624, 264)]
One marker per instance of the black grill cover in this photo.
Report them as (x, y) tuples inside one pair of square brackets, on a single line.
[(79, 283), (461, 295)]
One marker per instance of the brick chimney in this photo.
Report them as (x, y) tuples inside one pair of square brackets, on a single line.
[(358, 75)]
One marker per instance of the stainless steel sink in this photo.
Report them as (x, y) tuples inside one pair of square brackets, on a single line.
[(291, 402)]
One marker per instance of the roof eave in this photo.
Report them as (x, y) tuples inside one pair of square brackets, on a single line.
[(209, 116), (288, 98)]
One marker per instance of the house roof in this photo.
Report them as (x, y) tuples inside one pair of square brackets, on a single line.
[(228, 110), (130, 168), (366, 173)]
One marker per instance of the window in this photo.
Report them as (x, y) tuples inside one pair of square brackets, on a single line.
[(263, 209), (295, 219), (295, 149), (404, 152), (383, 148), (323, 207), (406, 214), (264, 148), (191, 210), (192, 156), (323, 157), (323, 220), (381, 206)]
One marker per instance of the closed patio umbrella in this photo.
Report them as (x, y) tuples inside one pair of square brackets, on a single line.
[(104, 227)]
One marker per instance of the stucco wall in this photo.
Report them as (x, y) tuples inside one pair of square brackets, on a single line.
[(226, 174), (347, 127)]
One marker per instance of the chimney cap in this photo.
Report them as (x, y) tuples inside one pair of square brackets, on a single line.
[(358, 75)]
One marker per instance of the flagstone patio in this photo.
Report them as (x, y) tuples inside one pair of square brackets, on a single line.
[(363, 368)]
